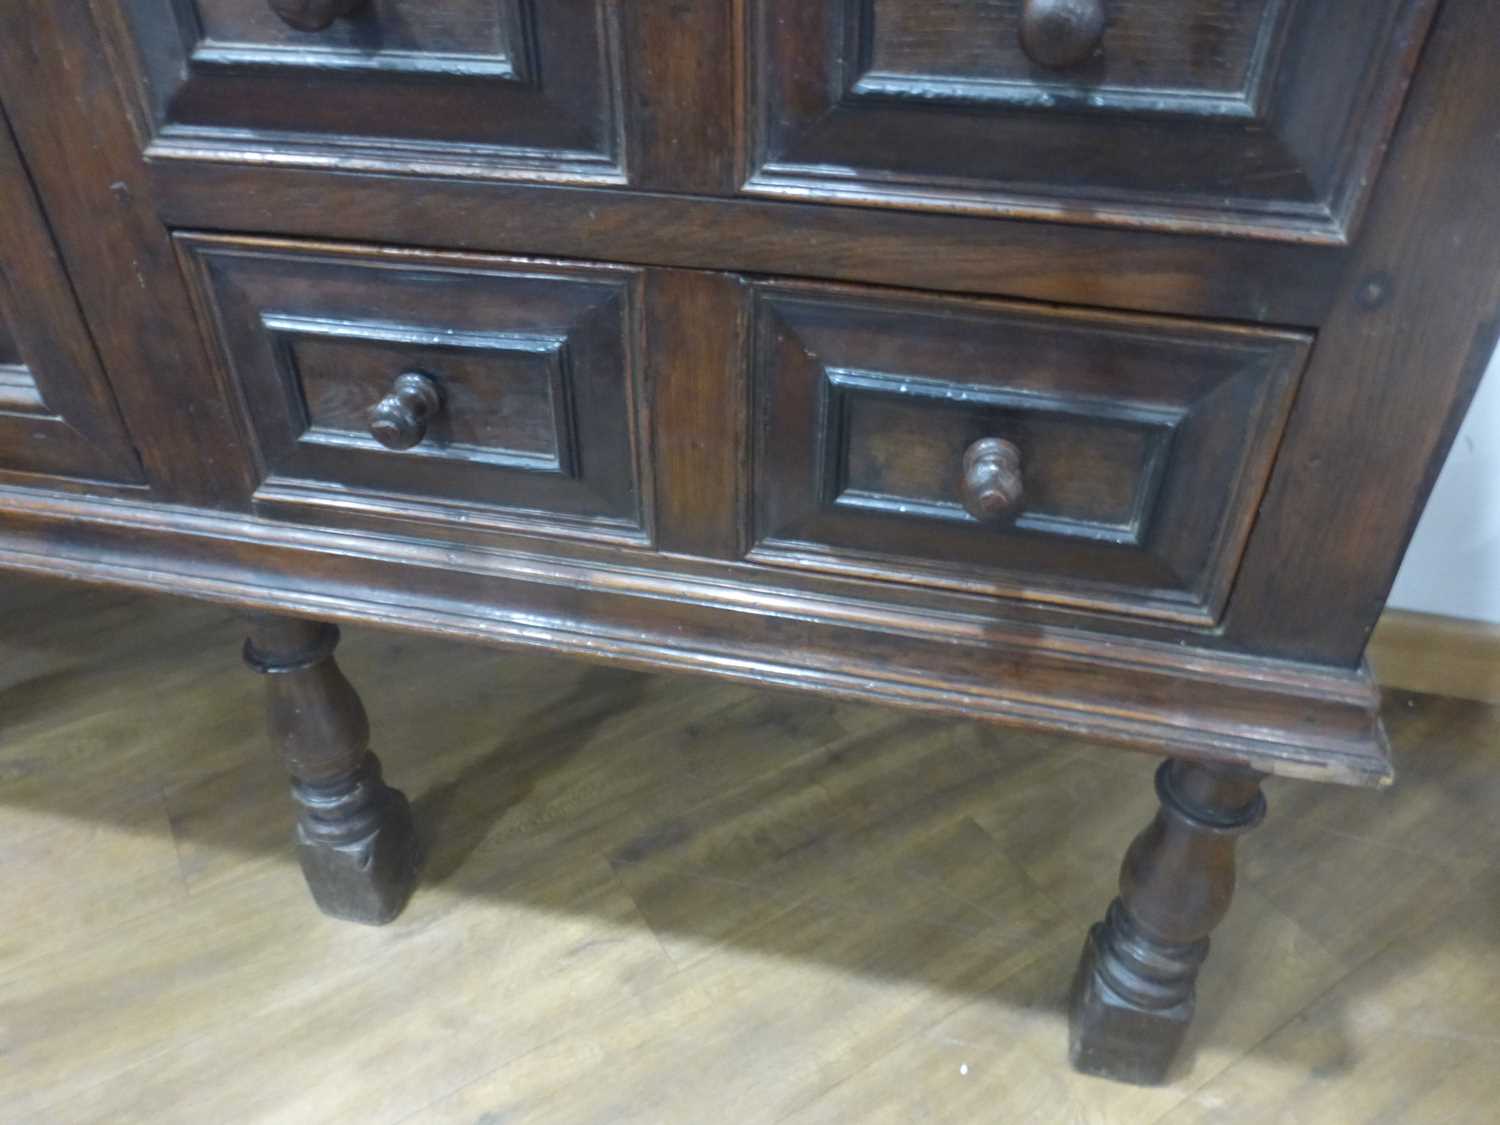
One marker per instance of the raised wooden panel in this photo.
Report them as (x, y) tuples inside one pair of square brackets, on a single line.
[(1144, 445), (505, 397), (58, 416), (1213, 50), (462, 36), (485, 87), (533, 364), (1261, 117)]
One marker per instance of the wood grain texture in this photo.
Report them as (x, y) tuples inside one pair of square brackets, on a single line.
[(1286, 719), (1415, 322), (1266, 283), (819, 912), (682, 90), (83, 155), (355, 839), (1186, 191), (1256, 119), (544, 428), (58, 415), (1207, 46), (1146, 444), (480, 88), (695, 340), (1136, 989), (1086, 266)]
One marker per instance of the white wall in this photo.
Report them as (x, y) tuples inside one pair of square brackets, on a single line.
[(1453, 565)]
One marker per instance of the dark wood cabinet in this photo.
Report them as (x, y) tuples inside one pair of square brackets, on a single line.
[(1079, 364)]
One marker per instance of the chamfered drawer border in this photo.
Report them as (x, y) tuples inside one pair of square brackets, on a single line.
[(711, 452), (863, 399), (1289, 153), (598, 482), (320, 99)]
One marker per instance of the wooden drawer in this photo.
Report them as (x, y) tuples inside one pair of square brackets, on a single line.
[(430, 393), (1137, 450), (1258, 116), (494, 87)]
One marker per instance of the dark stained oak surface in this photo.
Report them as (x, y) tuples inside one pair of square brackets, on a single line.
[(1205, 48), (1076, 365), (1143, 445), (1261, 117), (1270, 283), (1286, 719), (57, 413), (482, 86), (535, 367), (680, 470), (76, 134), (1416, 321)]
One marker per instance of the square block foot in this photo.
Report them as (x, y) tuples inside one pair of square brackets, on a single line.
[(369, 880), (1112, 1038)]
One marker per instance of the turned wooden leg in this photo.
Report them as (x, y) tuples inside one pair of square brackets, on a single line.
[(354, 832), (1133, 994)]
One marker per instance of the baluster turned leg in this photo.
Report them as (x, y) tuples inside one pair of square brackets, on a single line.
[(1134, 992), (354, 832)]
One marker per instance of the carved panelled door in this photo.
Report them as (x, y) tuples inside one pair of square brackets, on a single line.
[(57, 413)]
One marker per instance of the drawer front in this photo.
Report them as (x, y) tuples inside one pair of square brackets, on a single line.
[(494, 87), (58, 417), (1089, 459), (1256, 116), (432, 394)]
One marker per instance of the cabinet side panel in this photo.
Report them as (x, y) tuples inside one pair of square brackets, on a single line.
[(1413, 325)]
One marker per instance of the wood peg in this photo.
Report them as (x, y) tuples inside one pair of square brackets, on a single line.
[(399, 421), (1062, 33), (991, 489)]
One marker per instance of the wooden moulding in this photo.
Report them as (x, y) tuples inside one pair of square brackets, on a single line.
[(1275, 717)]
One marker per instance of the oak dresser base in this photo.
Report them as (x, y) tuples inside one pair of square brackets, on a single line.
[(1077, 365), (1133, 994)]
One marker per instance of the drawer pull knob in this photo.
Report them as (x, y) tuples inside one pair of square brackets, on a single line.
[(1061, 33), (991, 488), (399, 421), (313, 15)]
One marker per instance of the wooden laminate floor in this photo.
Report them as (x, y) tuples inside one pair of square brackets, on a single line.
[(659, 899)]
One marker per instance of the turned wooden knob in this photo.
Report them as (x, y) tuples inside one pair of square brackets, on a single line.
[(399, 421), (1061, 33), (991, 488), (312, 15)]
